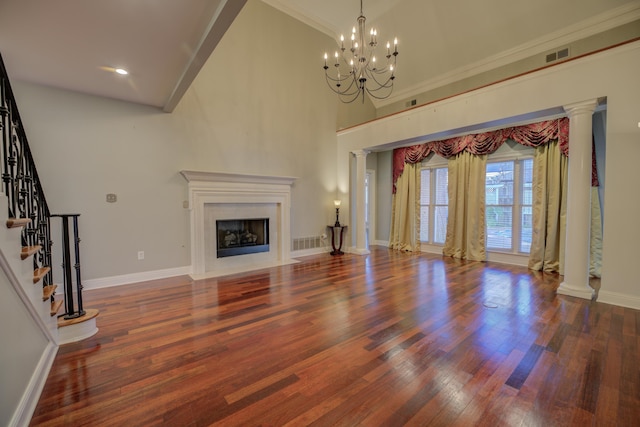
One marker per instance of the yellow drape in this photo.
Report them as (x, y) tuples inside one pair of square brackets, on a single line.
[(466, 223), (550, 179), (595, 260), (405, 212)]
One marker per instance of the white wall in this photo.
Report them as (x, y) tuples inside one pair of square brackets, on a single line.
[(611, 74), (23, 347), (248, 111)]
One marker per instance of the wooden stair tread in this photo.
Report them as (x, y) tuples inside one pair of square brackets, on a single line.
[(27, 251), (47, 291), (89, 314), (55, 306), (39, 273), (17, 222)]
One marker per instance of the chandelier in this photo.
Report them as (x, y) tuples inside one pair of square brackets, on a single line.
[(357, 70)]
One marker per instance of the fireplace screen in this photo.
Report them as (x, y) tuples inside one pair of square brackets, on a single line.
[(242, 236)]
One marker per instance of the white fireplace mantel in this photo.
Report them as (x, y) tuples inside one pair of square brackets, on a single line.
[(226, 194)]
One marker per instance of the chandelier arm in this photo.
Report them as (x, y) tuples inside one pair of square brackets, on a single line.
[(347, 91), (361, 62), (387, 84)]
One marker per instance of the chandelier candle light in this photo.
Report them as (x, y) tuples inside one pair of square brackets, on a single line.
[(356, 69)]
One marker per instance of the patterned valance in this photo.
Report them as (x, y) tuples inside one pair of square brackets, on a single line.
[(532, 135)]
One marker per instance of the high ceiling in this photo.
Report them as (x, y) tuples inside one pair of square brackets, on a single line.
[(76, 44)]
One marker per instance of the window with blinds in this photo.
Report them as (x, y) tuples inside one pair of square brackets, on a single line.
[(434, 203)]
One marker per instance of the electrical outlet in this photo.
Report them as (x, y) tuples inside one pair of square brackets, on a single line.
[(140, 255), (112, 198)]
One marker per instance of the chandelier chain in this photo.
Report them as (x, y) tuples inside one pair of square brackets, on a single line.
[(356, 69)]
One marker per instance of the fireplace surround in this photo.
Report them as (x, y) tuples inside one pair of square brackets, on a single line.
[(218, 196)]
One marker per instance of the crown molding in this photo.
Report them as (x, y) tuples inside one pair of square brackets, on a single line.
[(595, 25)]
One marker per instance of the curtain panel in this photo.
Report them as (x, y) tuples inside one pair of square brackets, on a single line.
[(548, 251), (531, 135), (466, 223), (405, 212)]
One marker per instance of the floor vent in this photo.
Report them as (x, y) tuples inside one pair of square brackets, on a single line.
[(312, 242)]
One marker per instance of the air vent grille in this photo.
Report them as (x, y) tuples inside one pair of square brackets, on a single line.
[(311, 242), (559, 54)]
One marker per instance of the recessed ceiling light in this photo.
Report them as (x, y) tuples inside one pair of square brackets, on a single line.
[(121, 71)]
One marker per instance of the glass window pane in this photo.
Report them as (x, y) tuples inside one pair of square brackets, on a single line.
[(424, 223), (526, 228), (425, 189), (527, 180), (499, 228), (442, 180), (499, 183), (440, 225)]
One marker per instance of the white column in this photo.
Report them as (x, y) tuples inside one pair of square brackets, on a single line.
[(361, 170), (578, 228)]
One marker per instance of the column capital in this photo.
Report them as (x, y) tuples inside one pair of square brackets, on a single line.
[(584, 107), (360, 153)]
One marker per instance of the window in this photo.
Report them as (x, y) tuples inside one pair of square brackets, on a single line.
[(499, 204), (434, 205), (526, 208), (508, 200), (508, 204)]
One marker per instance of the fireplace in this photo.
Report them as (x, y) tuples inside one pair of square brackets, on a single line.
[(241, 236), (218, 197)]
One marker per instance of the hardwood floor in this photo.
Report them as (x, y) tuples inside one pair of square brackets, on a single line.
[(389, 339)]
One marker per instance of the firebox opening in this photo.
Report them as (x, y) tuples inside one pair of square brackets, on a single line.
[(242, 236)]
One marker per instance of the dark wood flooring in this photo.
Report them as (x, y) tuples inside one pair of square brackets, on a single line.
[(388, 339)]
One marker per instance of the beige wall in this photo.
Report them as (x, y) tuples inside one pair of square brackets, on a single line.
[(610, 74), (249, 111)]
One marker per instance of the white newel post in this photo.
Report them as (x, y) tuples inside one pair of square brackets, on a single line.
[(361, 171), (578, 227)]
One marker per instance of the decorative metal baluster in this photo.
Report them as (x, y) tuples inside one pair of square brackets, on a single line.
[(22, 185), (79, 286), (70, 311)]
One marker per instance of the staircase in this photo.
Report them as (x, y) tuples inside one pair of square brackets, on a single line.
[(34, 319), (28, 211)]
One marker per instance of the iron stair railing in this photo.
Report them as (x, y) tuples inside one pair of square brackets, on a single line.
[(20, 180), (23, 188)]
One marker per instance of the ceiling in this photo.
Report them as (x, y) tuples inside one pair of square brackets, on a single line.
[(76, 44)]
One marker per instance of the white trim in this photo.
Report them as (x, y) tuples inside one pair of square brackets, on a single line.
[(384, 243), (29, 400), (506, 258), (241, 269), (314, 22), (585, 293), (431, 248), (214, 177), (226, 189), (78, 331), (126, 279), (595, 25), (615, 298), (313, 251)]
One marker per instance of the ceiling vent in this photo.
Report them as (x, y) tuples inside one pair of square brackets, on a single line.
[(410, 103), (560, 54)]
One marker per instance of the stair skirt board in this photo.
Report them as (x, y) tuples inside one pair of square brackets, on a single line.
[(74, 330)]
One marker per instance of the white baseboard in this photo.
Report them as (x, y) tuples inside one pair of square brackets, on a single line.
[(242, 269), (313, 251), (384, 243), (615, 298), (28, 402), (126, 279)]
